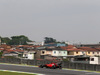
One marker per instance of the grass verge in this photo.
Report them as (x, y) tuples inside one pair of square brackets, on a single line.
[(2, 72), (81, 70)]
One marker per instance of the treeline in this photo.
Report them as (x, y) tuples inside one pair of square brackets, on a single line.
[(52, 40), (22, 40), (15, 40)]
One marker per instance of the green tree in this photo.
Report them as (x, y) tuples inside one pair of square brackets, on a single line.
[(19, 40), (49, 40), (5, 40), (1, 54)]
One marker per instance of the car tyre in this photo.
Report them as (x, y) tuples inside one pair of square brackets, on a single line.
[(60, 67), (41, 66), (53, 67)]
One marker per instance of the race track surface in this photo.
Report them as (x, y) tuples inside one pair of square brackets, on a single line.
[(44, 70)]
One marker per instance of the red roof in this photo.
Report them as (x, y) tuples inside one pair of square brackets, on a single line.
[(24, 46), (88, 49), (1, 49), (10, 50), (68, 47), (75, 49)]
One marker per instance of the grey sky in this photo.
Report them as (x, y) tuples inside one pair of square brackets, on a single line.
[(68, 20)]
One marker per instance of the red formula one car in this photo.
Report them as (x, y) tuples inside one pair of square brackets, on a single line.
[(52, 66)]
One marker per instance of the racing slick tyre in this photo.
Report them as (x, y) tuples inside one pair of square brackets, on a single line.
[(41, 66), (53, 67), (60, 67)]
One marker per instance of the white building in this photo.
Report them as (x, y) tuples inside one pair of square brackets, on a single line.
[(36, 43), (29, 55), (59, 53), (94, 60)]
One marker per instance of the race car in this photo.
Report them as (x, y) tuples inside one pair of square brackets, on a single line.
[(51, 66)]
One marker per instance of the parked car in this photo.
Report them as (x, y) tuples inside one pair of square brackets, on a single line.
[(51, 66)]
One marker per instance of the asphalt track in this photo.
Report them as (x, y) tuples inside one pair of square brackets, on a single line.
[(44, 70)]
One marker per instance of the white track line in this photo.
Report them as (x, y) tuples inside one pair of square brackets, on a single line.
[(20, 72), (18, 65)]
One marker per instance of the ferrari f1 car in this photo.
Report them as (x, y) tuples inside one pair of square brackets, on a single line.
[(51, 66)]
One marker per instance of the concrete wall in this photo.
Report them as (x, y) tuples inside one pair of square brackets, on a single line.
[(99, 60), (37, 55), (70, 53), (55, 53), (63, 53)]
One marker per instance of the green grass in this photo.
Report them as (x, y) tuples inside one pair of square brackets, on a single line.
[(13, 73)]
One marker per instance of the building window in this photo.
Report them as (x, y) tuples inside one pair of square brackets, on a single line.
[(76, 52), (43, 52), (93, 52), (54, 52), (92, 59), (88, 52), (64, 52), (68, 52), (59, 52), (97, 52)]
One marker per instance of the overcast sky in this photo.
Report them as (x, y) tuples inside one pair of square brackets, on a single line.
[(68, 20)]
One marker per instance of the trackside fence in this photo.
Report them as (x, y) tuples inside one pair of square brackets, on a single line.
[(81, 66), (65, 64)]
